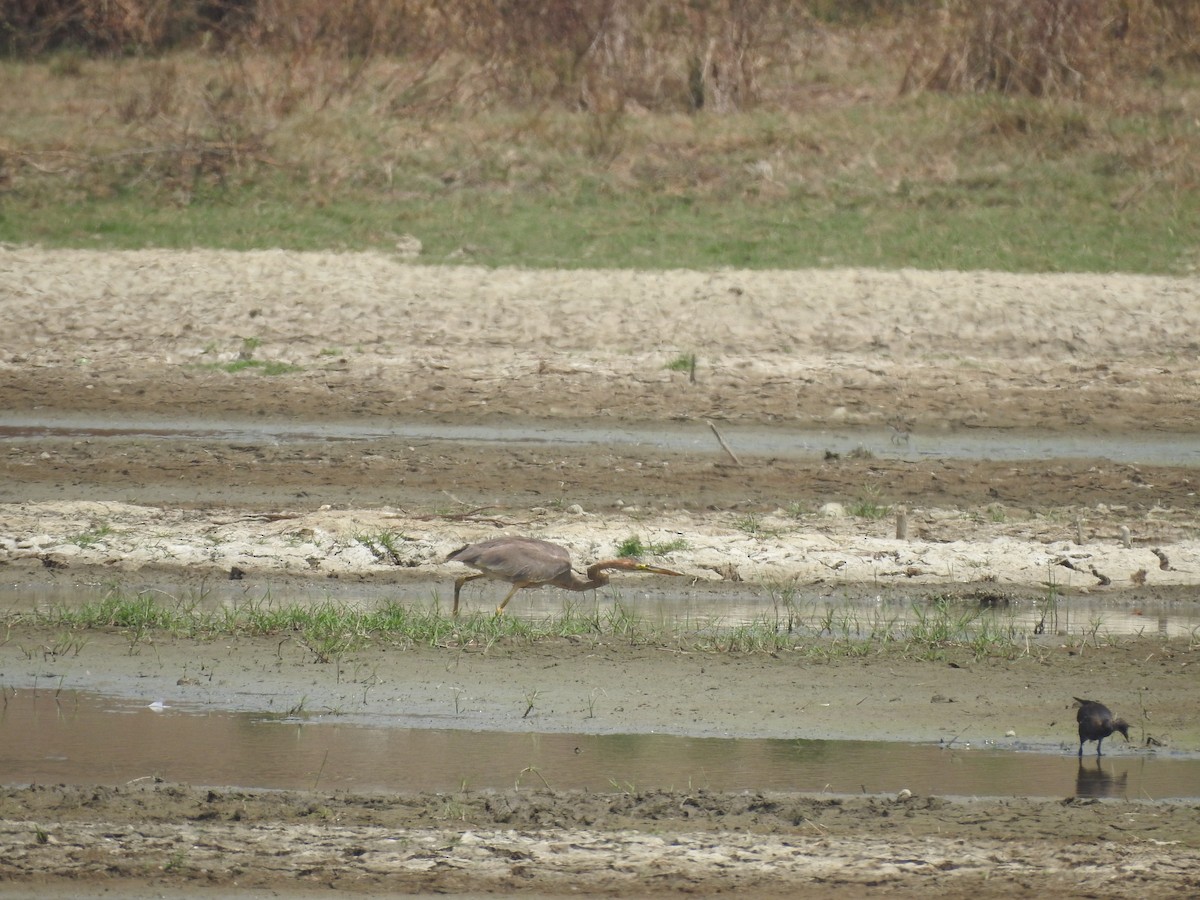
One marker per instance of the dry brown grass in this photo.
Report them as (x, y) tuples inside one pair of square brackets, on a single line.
[(1035, 47), (609, 56), (592, 54), (1062, 48)]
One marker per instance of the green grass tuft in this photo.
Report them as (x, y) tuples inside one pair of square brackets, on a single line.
[(936, 627), (261, 366), (634, 547), (92, 536)]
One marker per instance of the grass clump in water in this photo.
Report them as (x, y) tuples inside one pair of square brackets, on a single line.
[(936, 628)]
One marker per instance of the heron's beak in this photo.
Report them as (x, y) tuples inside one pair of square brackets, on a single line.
[(657, 570)]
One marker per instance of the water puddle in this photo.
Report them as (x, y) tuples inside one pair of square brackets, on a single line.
[(76, 737), (693, 437)]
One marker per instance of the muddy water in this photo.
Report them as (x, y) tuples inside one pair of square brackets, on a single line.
[(78, 737), (994, 444)]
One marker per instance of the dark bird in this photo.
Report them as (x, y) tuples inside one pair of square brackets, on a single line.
[(527, 563), (1096, 722)]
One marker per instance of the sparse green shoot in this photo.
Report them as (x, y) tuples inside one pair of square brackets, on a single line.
[(383, 545), (264, 367), (633, 547), (868, 505), (685, 362), (92, 536)]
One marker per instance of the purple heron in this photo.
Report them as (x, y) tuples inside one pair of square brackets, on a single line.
[(1096, 722), (527, 563)]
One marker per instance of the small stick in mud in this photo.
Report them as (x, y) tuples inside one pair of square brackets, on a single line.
[(948, 744), (724, 446)]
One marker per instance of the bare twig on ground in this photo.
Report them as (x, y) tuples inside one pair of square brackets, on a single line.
[(724, 446)]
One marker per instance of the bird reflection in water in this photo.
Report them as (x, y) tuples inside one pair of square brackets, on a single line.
[(1098, 782)]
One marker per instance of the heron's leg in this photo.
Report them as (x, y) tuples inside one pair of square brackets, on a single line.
[(504, 602), (458, 584)]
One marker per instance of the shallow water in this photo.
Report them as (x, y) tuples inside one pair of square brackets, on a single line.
[(70, 737), (859, 612), (48, 736), (750, 440)]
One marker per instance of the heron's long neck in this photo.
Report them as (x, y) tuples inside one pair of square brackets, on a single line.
[(596, 577)]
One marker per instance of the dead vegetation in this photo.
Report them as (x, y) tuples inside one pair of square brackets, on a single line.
[(1051, 47), (605, 54)]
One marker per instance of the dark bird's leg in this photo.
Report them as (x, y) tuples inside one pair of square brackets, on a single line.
[(1081, 748), (458, 586), (1098, 743)]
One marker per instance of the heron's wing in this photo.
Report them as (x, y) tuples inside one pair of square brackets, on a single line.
[(518, 560)]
